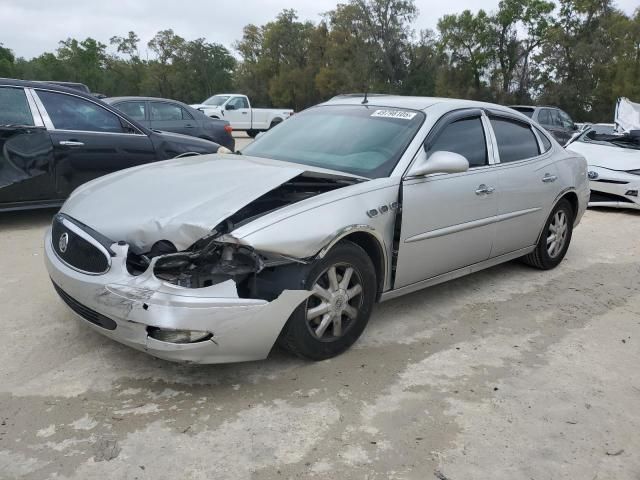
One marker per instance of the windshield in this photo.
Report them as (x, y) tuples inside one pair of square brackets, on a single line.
[(606, 135), (361, 140), (216, 100)]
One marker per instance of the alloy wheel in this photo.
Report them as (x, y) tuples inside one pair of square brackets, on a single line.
[(557, 234), (334, 302)]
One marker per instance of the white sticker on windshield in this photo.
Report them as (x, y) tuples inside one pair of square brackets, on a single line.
[(401, 114)]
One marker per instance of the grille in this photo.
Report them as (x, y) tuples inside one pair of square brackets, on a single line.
[(85, 312), (79, 253)]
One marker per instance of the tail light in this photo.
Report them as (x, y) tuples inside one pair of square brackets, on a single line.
[(228, 129)]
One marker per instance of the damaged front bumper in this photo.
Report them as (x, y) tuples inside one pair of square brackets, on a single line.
[(123, 307)]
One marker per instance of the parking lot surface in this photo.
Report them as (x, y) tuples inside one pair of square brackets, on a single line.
[(511, 373)]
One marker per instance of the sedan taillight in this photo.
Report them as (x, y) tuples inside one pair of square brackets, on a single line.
[(228, 129)]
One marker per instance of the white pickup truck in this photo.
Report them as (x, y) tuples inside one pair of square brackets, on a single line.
[(237, 110)]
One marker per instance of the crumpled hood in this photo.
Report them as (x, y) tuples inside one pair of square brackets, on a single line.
[(611, 157), (177, 200)]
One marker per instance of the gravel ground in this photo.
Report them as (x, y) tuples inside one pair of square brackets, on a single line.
[(510, 373)]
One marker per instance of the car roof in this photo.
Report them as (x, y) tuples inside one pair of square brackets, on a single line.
[(414, 103), (50, 86), (57, 88), (111, 100)]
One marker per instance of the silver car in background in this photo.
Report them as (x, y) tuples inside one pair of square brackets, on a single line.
[(217, 258)]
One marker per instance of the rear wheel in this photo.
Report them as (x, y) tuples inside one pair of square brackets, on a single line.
[(555, 239), (253, 133), (276, 121), (343, 286)]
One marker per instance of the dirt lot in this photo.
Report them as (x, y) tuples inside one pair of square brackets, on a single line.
[(508, 374)]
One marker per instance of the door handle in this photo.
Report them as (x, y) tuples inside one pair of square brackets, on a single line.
[(483, 189), (245, 113), (71, 143), (548, 178), (188, 125)]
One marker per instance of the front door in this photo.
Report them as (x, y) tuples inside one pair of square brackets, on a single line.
[(448, 220), (26, 151), (89, 141), (239, 116)]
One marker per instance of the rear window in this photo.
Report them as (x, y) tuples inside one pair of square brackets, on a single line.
[(516, 140)]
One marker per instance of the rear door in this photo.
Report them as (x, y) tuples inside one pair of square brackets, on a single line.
[(26, 151), (171, 117), (89, 140), (527, 183), (448, 220)]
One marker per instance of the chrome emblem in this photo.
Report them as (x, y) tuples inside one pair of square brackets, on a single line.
[(63, 242)]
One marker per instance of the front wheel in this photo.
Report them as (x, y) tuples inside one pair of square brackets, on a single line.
[(555, 239), (343, 286)]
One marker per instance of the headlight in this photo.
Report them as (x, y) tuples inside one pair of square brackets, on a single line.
[(634, 172), (592, 175)]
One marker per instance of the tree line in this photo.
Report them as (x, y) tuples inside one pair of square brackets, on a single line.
[(580, 55)]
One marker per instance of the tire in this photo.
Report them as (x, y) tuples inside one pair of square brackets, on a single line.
[(548, 255), (306, 338), (252, 133), (275, 122)]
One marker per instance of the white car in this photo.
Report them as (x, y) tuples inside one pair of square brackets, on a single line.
[(614, 165), (237, 110)]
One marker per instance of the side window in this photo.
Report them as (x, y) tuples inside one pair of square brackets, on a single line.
[(565, 119), (555, 118), (135, 110), (239, 102), (465, 137), (161, 111), (546, 143), (186, 115), (516, 140), (74, 113), (544, 118), (14, 108)]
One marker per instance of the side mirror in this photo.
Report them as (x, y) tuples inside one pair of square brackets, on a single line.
[(230, 107), (439, 162)]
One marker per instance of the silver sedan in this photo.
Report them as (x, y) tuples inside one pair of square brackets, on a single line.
[(217, 258)]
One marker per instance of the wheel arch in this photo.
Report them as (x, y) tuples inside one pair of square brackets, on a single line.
[(367, 239), (572, 197)]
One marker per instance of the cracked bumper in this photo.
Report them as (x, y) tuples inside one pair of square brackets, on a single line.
[(243, 329)]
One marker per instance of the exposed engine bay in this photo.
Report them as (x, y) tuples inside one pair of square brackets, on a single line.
[(210, 261)]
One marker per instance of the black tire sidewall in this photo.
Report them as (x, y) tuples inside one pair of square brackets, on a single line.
[(297, 336)]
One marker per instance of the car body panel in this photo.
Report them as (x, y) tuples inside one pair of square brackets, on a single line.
[(428, 229), (46, 163), (610, 183)]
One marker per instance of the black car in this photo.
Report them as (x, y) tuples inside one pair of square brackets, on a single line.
[(173, 116), (53, 139), (555, 121)]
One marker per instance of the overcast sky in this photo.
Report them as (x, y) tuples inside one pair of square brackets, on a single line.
[(30, 27)]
